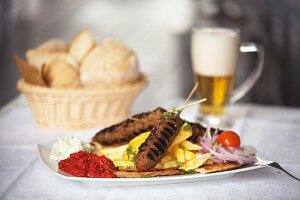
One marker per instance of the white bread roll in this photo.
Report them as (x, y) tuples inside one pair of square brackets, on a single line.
[(37, 58), (53, 45), (60, 74), (110, 62), (81, 44)]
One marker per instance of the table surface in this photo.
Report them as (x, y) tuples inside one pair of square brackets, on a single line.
[(274, 131)]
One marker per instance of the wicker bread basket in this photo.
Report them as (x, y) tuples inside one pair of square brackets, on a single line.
[(81, 108)]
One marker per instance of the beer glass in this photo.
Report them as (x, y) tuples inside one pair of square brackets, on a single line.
[(215, 52)]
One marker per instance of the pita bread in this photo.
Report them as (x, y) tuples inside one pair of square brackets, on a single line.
[(111, 62), (59, 74), (29, 74), (82, 43), (217, 167), (173, 171), (53, 45), (150, 173)]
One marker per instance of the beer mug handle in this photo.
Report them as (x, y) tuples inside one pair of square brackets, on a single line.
[(255, 74)]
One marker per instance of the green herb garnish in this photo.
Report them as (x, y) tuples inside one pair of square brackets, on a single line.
[(167, 114), (214, 143), (187, 127), (129, 150), (178, 163), (171, 113), (146, 176), (131, 153), (191, 171), (134, 159), (178, 112)]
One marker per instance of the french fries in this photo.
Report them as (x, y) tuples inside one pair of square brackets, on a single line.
[(171, 164), (168, 157), (115, 150), (114, 157), (123, 164), (179, 154), (159, 166), (138, 140), (184, 133), (117, 155), (190, 146), (196, 162), (189, 155)]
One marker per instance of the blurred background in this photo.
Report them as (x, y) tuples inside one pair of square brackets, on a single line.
[(159, 31)]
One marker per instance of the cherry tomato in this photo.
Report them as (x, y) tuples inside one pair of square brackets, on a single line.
[(229, 139)]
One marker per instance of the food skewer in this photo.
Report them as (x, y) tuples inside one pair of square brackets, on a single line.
[(191, 93), (185, 105), (188, 105)]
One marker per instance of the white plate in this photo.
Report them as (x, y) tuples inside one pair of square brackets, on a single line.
[(44, 151)]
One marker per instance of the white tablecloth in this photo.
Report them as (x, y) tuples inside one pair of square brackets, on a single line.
[(274, 131)]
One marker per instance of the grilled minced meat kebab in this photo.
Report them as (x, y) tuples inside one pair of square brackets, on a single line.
[(129, 128), (126, 130), (157, 143)]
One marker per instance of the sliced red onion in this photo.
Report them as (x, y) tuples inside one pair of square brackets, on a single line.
[(214, 137), (217, 160), (220, 154), (207, 135)]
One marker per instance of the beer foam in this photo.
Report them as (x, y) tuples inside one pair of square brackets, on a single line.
[(215, 51)]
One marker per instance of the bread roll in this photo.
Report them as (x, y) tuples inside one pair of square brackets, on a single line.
[(82, 43), (110, 62), (59, 74), (38, 58), (53, 45)]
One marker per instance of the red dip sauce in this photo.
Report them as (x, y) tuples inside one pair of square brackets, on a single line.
[(84, 164)]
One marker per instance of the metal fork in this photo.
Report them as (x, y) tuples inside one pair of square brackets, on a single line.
[(277, 166)]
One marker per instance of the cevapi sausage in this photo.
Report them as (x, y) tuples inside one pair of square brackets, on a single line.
[(158, 142), (129, 128)]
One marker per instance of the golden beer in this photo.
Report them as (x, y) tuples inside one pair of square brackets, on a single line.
[(214, 53), (217, 90)]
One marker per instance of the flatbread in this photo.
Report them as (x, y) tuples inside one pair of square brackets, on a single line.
[(173, 171), (146, 174), (217, 167)]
